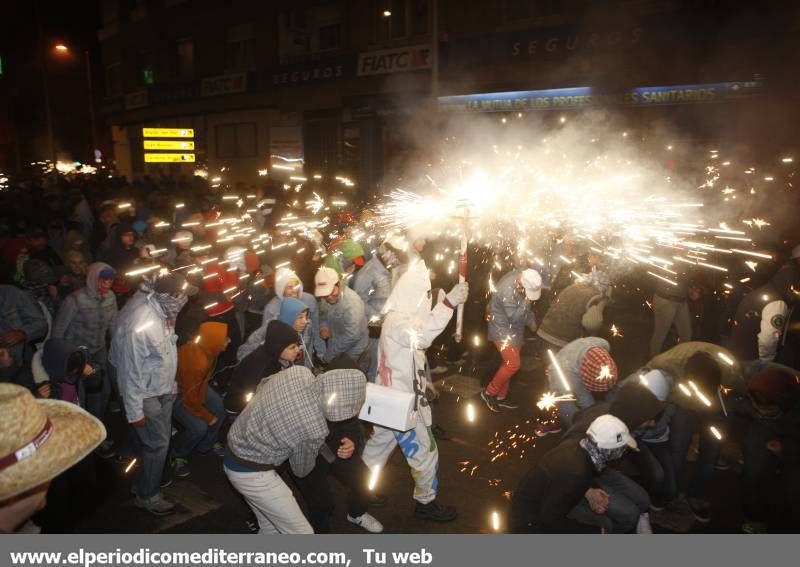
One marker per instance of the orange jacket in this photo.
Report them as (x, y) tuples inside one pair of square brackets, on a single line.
[(196, 362)]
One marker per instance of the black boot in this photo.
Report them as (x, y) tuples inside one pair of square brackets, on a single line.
[(435, 512)]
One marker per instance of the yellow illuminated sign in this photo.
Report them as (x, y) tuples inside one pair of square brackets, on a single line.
[(168, 145), (168, 132), (169, 158)]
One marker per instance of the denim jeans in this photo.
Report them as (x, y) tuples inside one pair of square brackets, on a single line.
[(197, 434), (657, 470), (626, 502), (271, 500), (683, 425), (153, 438)]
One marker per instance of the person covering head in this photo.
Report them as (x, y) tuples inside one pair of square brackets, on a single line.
[(291, 310), (607, 440), (40, 439), (287, 284), (775, 387), (532, 282), (352, 252), (598, 370), (412, 292), (170, 291), (325, 281)]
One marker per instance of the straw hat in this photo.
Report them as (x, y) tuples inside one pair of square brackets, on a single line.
[(40, 439)]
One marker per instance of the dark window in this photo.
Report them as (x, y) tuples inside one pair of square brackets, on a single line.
[(239, 48), (114, 79), (329, 37), (236, 140), (184, 59), (518, 9), (420, 16), (145, 65)]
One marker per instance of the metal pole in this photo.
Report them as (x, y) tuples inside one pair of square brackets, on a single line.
[(91, 103), (45, 89)]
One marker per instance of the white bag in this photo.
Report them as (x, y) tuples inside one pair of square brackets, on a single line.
[(389, 408)]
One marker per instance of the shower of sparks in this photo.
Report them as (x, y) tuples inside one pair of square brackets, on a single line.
[(615, 332), (549, 400)]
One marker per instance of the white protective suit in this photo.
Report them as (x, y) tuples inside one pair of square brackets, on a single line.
[(409, 328)]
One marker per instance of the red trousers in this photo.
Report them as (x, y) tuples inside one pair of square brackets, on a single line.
[(502, 378)]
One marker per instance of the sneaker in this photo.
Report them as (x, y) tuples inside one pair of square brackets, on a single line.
[(700, 509), (490, 401), (507, 403), (367, 522), (180, 467), (435, 512), (375, 500), (106, 450), (544, 429), (722, 464), (217, 450), (440, 433), (643, 525), (156, 505), (439, 370)]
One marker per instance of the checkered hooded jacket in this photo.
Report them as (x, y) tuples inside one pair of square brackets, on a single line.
[(287, 417)]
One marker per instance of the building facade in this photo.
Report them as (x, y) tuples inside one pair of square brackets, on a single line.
[(349, 85)]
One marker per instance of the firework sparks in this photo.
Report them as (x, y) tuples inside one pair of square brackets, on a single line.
[(615, 332), (560, 372), (496, 521), (470, 413), (716, 433), (130, 466), (549, 400), (373, 477)]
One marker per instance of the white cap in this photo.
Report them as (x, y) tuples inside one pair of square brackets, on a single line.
[(657, 383), (609, 432), (324, 281), (532, 282), (397, 241), (796, 252)]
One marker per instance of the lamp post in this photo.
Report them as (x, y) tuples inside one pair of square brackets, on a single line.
[(62, 49)]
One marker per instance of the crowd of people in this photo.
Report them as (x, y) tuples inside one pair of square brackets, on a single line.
[(216, 328)]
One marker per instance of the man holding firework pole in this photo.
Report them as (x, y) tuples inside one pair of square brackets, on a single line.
[(408, 329)]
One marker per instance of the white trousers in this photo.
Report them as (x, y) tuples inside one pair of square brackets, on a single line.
[(272, 502), (418, 447)]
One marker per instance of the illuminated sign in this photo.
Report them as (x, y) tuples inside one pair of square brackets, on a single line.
[(168, 145), (168, 132), (169, 158), (578, 97)]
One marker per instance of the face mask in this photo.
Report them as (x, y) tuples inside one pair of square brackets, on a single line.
[(170, 305)]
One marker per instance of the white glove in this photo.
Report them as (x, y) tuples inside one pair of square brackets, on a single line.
[(458, 294)]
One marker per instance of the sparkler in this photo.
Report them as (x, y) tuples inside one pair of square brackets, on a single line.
[(615, 332), (130, 466), (549, 400), (716, 433)]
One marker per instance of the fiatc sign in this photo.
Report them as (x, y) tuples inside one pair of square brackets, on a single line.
[(394, 60)]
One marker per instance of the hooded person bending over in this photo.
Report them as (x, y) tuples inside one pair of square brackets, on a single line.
[(550, 498), (279, 351), (409, 328), (287, 421)]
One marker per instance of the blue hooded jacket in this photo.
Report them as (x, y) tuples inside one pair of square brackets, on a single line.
[(291, 308)]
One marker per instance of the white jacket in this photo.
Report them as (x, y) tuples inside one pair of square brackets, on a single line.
[(409, 328)]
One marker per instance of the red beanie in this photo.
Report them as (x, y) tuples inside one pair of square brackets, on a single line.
[(598, 370)]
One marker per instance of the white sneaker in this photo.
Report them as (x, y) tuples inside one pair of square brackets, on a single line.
[(156, 505), (367, 522), (643, 525)]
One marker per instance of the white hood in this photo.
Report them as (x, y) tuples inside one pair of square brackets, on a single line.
[(658, 382), (282, 277), (411, 293)]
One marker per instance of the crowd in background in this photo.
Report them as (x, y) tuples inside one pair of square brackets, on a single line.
[(216, 330)]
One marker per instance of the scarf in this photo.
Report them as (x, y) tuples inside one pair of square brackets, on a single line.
[(601, 457), (170, 305)]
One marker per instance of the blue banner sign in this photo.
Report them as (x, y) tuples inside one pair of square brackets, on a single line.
[(578, 97)]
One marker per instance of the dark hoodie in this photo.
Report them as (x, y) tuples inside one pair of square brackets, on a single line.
[(118, 255), (64, 363), (259, 364), (633, 405)]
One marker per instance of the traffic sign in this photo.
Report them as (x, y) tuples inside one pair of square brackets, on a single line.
[(168, 132), (169, 158), (168, 145)]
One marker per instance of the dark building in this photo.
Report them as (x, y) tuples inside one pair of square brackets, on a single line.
[(342, 84)]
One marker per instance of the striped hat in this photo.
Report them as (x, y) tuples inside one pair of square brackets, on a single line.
[(598, 370)]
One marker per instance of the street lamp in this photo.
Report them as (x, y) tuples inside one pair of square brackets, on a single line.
[(62, 49)]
